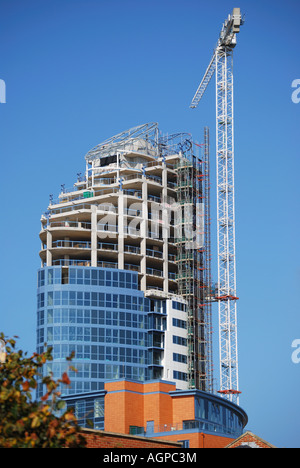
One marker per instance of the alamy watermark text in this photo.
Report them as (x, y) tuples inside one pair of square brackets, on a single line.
[(2, 92), (296, 93)]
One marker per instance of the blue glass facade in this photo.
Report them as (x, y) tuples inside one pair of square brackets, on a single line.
[(101, 316)]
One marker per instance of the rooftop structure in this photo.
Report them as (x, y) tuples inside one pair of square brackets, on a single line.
[(157, 410)]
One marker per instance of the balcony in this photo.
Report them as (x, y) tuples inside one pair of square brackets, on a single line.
[(154, 253), (154, 272), (107, 246), (69, 224), (70, 262), (132, 249), (67, 244)]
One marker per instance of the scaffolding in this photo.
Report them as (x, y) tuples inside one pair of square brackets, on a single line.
[(194, 260)]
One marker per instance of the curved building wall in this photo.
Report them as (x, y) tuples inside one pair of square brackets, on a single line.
[(101, 316)]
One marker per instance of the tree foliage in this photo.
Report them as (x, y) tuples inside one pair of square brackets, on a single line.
[(25, 422)]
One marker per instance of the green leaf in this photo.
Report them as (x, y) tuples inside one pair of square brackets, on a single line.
[(61, 404)]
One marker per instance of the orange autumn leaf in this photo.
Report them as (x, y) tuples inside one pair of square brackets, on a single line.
[(69, 417), (25, 386), (65, 379), (45, 397)]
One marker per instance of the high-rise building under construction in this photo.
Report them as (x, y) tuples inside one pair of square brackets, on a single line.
[(125, 275)]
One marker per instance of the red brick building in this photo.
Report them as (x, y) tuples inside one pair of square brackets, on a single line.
[(249, 440), (107, 440), (156, 410)]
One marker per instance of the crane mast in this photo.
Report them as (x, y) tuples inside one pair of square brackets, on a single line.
[(222, 65)]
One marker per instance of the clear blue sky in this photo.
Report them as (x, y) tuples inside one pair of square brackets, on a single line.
[(80, 71)]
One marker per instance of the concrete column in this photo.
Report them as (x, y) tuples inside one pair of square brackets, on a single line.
[(144, 232), (49, 246), (121, 224), (94, 236), (166, 228)]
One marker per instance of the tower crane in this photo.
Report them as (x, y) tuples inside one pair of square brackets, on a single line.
[(222, 64)]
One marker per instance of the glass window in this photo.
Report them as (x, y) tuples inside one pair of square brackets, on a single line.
[(50, 316), (65, 316), (108, 300), (50, 299), (115, 353), (87, 316), (87, 349), (101, 371), (86, 370), (79, 351), (94, 351), (41, 277), (115, 301), (101, 317), (57, 275), (101, 300), (109, 371), (94, 277), (215, 413), (122, 336), (87, 299), (50, 276), (79, 298), (57, 297), (115, 280), (101, 353), (87, 334), (56, 333), (56, 355), (122, 354), (65, 350), (72, 333), (72, 276), (122, 301), (128, 320), (65, 298), (128, 303), (101, 335), (72, 316), (185, 443), (128, 280), (108, 317), (108, 279), (64, 333), (79, 333), (101, 278), (94, 371), (115, 319), (122, 280), (87, 277), (57, 316), (201, 408), (122, 319), (79, 316), (94, 299), (79, 276), (108, 336)]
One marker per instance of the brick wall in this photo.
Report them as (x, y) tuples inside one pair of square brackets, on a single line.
[(133, 404), (183, 409), (251, 439), (102, 439), (200, 440)]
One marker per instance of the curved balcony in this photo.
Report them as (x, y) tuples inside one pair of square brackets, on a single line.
[(60, 228), (71, 244)]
